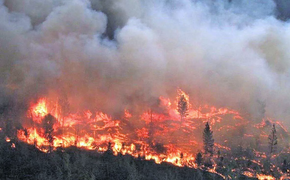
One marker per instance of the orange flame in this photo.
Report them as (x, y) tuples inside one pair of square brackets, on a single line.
[(151, 135)]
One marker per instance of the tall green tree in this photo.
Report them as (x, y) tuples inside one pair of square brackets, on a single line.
[(48, 122), (182, 107), (208, 141), (273, 141)]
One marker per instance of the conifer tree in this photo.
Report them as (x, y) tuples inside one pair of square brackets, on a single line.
[(208, 141), (273, 140), (182, 107), (198, 159)]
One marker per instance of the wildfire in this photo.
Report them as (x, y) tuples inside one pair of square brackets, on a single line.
[(265, 177), (156, 136), (40, 109)]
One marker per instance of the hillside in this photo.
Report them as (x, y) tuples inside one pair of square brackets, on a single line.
[(26, 162)]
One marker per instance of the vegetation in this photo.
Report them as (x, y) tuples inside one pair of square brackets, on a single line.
[(198, 159), (182, 107), (208, 141), (48, 122), (22, 161), (27, 162), (273, 140)]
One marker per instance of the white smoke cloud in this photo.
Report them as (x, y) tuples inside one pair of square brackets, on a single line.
[(233, 54), (74, 17), (37, 10)]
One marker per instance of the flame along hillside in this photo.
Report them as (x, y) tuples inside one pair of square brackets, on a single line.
[(171, 132)]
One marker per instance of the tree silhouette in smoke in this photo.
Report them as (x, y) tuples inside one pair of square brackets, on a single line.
[(198, 158), (182, 107), (48, 122), (273, 140), (208, 141)]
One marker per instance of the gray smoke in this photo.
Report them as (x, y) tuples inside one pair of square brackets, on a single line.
[(116, 54)]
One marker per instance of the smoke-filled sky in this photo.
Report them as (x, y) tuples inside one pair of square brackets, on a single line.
[(116, 54)]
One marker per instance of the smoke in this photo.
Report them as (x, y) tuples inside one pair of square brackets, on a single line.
[(116, 54)]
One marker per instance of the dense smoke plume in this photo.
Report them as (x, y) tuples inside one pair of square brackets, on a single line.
[(116, 54)]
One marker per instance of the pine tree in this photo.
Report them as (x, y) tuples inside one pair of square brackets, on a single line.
[(273, 140), (208, 141), (198, 159), (182, 107), (48, 122)]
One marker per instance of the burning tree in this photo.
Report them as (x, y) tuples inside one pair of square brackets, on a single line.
[(47, 123), (182, 107), (273, 140), (208, 141)]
